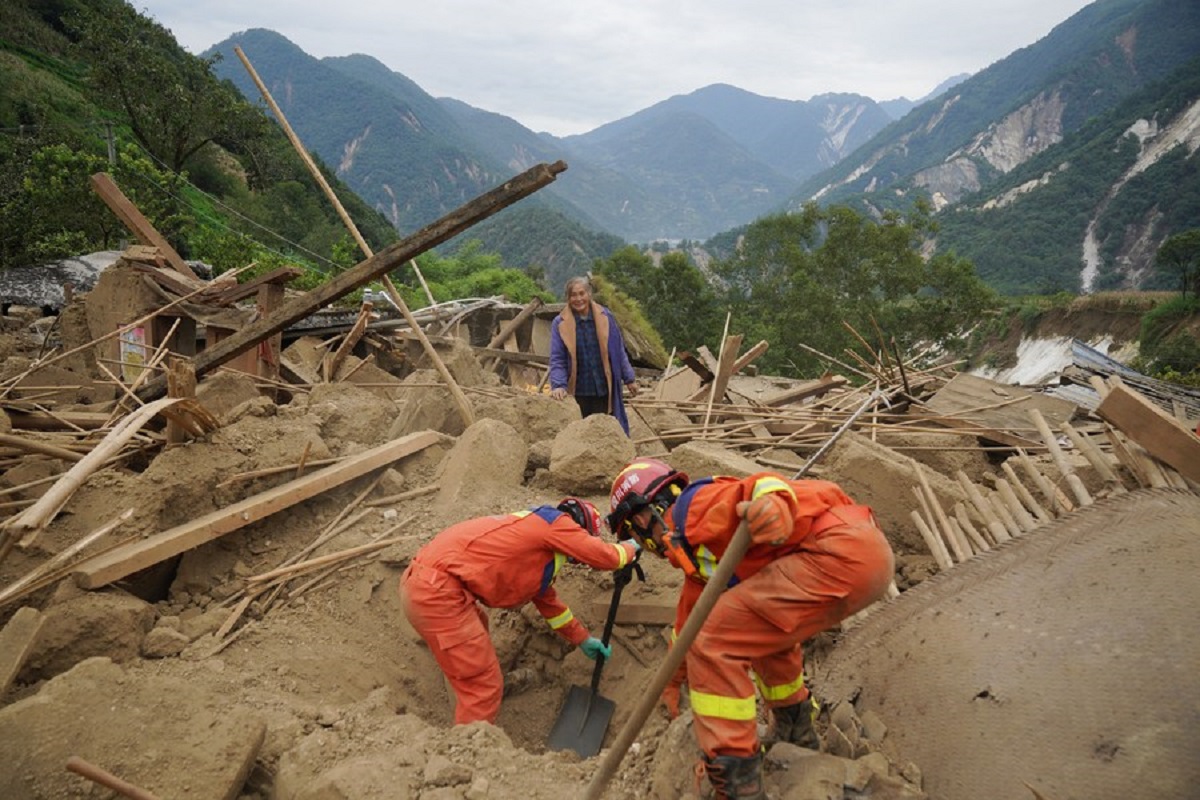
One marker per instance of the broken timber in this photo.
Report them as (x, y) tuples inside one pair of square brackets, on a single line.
[(1163, 436), (371, 269), (128, 559)]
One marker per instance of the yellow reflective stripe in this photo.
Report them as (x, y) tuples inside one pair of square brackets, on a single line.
[(561, 620), (674, 636), (741, 709), (520, 514), (623, 553), (782, 691), (559, 560), (767, 485), (706, 562)]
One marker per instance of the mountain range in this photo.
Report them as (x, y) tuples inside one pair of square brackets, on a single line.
[(1029, 164)]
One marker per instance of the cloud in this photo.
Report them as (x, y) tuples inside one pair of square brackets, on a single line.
[(570, 67)]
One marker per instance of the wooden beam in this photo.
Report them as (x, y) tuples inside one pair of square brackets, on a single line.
[(697, 366), (806, 390), (130, 558), (749, 355), (243, 290), (138, 225), (16, 641), (380, 264), (333, 360), (1162, 436)]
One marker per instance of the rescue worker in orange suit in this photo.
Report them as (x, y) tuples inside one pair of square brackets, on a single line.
[(500, 562), (816, 558)]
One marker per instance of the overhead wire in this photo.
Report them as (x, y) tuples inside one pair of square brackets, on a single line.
[(227, 208)]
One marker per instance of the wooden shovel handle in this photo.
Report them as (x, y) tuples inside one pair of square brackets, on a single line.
[(696, 619), (107, 779)]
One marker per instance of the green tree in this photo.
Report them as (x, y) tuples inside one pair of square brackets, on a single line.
[(1179, 257), (675, 297), (801, 279), (173, 103)]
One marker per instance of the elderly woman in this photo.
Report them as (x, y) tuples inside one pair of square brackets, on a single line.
[(587, 355)]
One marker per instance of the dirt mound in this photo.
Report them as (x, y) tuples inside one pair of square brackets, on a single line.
[(239, 679)]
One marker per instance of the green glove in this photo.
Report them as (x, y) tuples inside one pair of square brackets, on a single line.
[(593, 647)]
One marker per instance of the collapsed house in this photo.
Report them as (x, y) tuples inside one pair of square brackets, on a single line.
[(210, 490)]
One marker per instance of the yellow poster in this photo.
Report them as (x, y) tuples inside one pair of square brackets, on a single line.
[(133, 353)]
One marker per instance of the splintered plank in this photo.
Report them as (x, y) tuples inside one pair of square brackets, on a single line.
[(128, 559), (16, 640), (1163, 436)]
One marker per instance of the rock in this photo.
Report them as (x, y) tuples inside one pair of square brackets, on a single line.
[(223, 391), (537, 417), (441, 771), (427, 405), (873, 727), (587, 454), (111, 624), (808, 775), (162, 642), (702, 459), (478, 789), (490, 455)]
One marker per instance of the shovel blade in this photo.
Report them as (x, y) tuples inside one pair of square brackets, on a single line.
[(582, 722)]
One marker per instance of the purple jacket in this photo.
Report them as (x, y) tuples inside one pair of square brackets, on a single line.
[(612, 353)]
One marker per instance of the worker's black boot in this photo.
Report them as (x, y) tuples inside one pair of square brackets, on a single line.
[(794, 724), (735, 777)]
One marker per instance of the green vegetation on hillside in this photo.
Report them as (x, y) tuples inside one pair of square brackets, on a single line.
[(91, 86)]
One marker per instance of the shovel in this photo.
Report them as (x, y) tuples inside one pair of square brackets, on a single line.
[(583, 720)]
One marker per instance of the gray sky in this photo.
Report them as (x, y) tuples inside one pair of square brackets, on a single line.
[(568, 66)]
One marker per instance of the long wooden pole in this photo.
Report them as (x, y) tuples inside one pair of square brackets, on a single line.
[(464, 407), (730, 559), (301, 306), (696, 619)]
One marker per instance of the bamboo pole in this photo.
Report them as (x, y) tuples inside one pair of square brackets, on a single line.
[(964, 522), (1020, 513), (1060, 459), (34, 446), (938, 511), (1006, 517), (106, 779), (932, 541), (37, 516), (712, 390), (1026, 496), (1058, 500), (464, 407), (992, 523), (1092, 453)]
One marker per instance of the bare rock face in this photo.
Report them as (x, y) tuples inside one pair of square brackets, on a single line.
[(489, 455), (588, 454), (703, 459)]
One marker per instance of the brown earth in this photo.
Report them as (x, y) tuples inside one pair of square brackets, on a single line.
[(327, 693)]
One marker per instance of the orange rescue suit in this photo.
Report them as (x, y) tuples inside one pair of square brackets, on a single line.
[(835, 562), (498, 562)]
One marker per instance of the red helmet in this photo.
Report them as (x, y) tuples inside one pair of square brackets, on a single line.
[(586, 515), (639, 485)]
